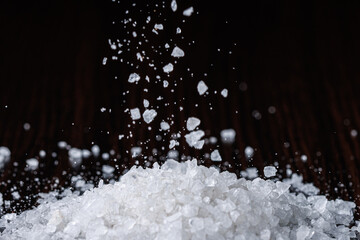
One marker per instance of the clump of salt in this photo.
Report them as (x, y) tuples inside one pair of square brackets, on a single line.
[(184, 201), (149, 115), (215, 156), (192, 123)]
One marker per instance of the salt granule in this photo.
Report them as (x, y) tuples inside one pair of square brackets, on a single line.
[(164, 126), (135, 151), (224, 93), (192, 123), (202, 87), (149, 115), (133, 77), (228, 136), (249, 152), (135, 114), (187, 12), (177, 52), (168, 68), (193, 139), (32, 163), (215, 156), (184, 201), (4, 156), (269, 171), (173, 5)]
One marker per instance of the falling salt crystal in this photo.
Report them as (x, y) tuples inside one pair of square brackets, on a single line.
[(105, 156), (215, 156), (213, 140), (164, 126), (165, 84), (104, 60), (177, 52), (202, 87), (32, 163), (173, 143), (133, 77), (121, 136), (158, 26), (168, 68), (178, 30), (192, 123), (249, 152), (95, 149), (193, 139), (15, 195), (135, 113), (173, 5), (42, 154), (228, 136), (149, 115), (27, 126), (146, 103), (135, 151), (269, 171), (4, 156), (303, 158), (224, 92), (85, 153), (107, 169), (75, 157), (187, 12), (62, 144), (353, 132)]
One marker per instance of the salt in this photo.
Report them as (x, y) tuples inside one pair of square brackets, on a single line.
[(215, 156), (32, 164), (173, 5), (133, 77), (177, 52), (168, 68), (192, 123), (193, 139), (149, 115), (135, 113), (202, 87), (224, 93), (164, 126), (228, 136), (269, 171), (187, 12), (249, 152), (4, 156)]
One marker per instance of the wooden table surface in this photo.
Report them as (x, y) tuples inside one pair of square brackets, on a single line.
[(297, 56)]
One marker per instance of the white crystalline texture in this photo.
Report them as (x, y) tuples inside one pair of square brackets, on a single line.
[(224, 92), (192, 123), (215, 156), (228, 136), (249, 152), (184, 201), (149, 115), (133, 77), (187, 12), (32, 163), (177, 52), (158, 26), (193, 139), (202, 87), (146, 103), (135, 151), (269, 171), (168, 68), (173, 5), (4, 156), (135, 114)]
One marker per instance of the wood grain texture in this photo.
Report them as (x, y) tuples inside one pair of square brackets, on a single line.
[(300, 57)]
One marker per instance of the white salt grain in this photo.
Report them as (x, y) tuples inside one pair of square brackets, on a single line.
[(249, 152), (193, 139), (224, 93), (95, 149), (135, 113), (228, 136), (135, 151), (173, 5), (149, 115), (32, 164), (192, 123), (146, 103), (177, 52), (75, 157), (106, 169), (164, 126), (4, 156), (187, 12), (215, 156), (269, 171), (202, 87), (168, 68), (133, 77)]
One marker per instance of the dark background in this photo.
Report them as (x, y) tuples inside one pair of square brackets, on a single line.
[(302, 57)]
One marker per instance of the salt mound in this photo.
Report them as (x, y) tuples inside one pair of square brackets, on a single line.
[(184, 201)]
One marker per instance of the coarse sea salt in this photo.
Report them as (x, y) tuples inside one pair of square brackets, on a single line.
[(184, 201), (202, 87), (192, 123), (228, 136), (177, 52), (4, 156), (149, 115)]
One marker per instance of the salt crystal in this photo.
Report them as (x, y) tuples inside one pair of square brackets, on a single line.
[(224, 93), (173, 5), (228, 136), (159, 26), (106, 169), (62, 144), (249, 152), (164, 126), (27, 126), (173, 143), (187, 12), (133, 77), (202, 87), (192, 123), (146, 103), (177, 52), (32, 163), (178, 30), (215, 156), (193, 139), (353, 132), (168, 68), (85, 153), (269, 171), (303, 158), (149, 115), (75, 157), (135, 113), (95, 149), (42, 154), (105, 156), (135, 151), (4, 156)]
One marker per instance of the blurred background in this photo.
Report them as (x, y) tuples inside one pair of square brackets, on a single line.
[(291, 70)]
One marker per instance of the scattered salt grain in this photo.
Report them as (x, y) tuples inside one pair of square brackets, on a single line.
[(303, 158), (228, 136), (269, 171), (202, 87), (75, 157), (168, 68), (177, 52), (159, 27), (95, 149), (187, 12), (106, 169), (215, 156), (224, 93), (135, 151), (135, 114), (146, 103), (4, 156), (353, 132), (164, 126), (62, 144), (32, 164), (27, 126), (249, 152), (173, 5), (193, 139), (42, 154), (133, 77), (149, 115), (192, 123)]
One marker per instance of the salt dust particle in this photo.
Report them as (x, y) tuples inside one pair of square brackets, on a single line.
[(42, 154), (187, 12), (135, 151), (303, 158), (95, 149), (164, 126), (32, 163), (107, 169), (228, 135), (27, 126), (146, 103), (249, 152), (353, 132)]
